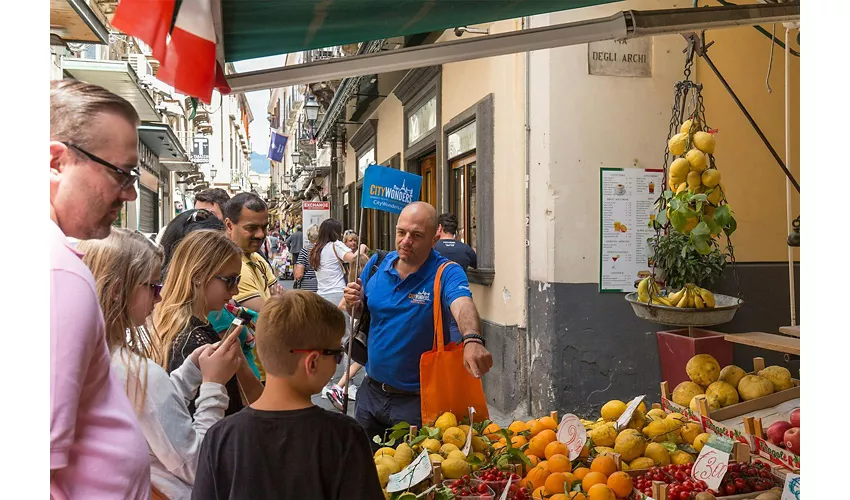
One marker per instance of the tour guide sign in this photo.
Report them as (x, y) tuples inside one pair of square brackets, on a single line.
[(389, 189)]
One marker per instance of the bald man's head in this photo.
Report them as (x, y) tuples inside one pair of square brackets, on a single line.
[(416, 233)]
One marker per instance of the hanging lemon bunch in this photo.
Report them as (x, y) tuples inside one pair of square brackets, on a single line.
[(695, 200)]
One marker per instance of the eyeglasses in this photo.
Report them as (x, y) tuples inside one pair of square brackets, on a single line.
[(155, 287), (336, 353), (127, 178), (199, 215), (230, 281)]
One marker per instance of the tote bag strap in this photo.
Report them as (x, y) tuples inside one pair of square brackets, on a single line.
[(439, 339)]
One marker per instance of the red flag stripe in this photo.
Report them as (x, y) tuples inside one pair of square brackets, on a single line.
[(190, 65), (148, 20)]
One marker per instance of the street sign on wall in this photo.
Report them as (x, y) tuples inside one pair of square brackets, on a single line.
[(201, 149), (632, 57)]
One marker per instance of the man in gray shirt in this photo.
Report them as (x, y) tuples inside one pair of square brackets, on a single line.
[(295, 242)]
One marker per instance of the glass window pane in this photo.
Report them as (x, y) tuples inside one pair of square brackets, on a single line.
[(459, 195), (472, 224), (364, 161), (462, 140), (422, 121)]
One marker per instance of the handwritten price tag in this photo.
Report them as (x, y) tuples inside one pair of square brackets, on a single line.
[(713, 461), (468, 445), (572, 433), (413, 474), (623, 421), (792, 487)]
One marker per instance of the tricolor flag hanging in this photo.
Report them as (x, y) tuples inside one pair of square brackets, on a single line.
[(188, 60)]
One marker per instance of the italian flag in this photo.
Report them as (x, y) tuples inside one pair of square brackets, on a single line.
[(188, 59)]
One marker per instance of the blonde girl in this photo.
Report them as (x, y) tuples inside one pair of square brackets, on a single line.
[(126, 267), (203, 275)]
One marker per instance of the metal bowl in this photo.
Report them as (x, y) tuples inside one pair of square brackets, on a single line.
[(723, 312)]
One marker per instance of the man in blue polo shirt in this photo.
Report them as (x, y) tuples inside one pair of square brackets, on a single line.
[(399, 298)]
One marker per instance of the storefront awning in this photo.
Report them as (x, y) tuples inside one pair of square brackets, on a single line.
[(163, 142), (75, 21), (117, 77)]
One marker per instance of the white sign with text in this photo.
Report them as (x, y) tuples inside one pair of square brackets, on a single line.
[(572, 433)]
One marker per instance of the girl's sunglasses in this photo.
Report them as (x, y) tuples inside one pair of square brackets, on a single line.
[(230, 281), (155, 287), (336, 353)]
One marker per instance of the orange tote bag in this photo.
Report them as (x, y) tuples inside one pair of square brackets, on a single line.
[(445, 385)]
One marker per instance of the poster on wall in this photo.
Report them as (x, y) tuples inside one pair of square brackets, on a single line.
[(627, 198), (313, 213)]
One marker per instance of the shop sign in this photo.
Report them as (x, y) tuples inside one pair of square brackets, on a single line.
[(201, 149), (631, 57)]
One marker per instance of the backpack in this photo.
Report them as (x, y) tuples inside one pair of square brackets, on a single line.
[(359, 351)]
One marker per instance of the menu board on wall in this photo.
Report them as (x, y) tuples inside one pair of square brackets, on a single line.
[(627, 199)]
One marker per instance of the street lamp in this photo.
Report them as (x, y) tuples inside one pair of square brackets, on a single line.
[(311, 107), (296, 157), (213, 172)]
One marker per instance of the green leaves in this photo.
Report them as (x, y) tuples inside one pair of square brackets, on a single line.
[(669, 446), (688, 448), (681, 261)]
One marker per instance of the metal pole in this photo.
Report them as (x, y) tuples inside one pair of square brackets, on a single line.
[(749, 117), (354, 317), (791, 280)]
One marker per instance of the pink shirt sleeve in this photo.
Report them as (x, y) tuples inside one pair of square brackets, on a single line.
[(74, 324)]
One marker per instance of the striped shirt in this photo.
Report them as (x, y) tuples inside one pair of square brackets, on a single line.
[(308, 281)]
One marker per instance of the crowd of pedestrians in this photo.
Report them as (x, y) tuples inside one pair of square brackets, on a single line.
[(152, 398)]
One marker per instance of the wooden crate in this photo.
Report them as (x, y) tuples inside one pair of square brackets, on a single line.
[(765, 449), (738, 409)]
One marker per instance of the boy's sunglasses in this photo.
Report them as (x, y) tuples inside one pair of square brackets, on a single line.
[(336, 353), (230, 281), (155, 287)]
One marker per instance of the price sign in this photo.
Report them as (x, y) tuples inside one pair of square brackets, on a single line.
[(413, 474), (713, 461), (572, 433), (791, 491), (623, 421), (468, 445), (504, 495)]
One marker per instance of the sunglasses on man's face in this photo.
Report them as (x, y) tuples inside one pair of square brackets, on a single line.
[(336, 353), (156, 288), (126, 178)]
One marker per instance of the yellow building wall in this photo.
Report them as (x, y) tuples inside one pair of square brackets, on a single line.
[(390, 128), (753, 182)]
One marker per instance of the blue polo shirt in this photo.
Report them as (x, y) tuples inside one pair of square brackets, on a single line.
[(402, 324)]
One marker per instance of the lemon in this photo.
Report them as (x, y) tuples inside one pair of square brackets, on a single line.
[(694, 181), (432, 445), (435, 458), (383, 474), (642, 407), (638, 420), (604, 435), (779, 376), (390, 463), (612, 410), (690, 223), (456, 454), (716, 195), (703, 369), (630, 444), (658, 454), (466, 429), (454, 468), (679, 169), (446, 421), (754, 386), (680, 457), (700, 441), (384, 451), (710, 177), (448, 448), (454, 436), (604, 450), (642, 463), (724, 392), (732, 374), (681, 188), (690, 431), (696, 160), (677, 144), (712, 402), (657, 413), (704, 142), (479, 445), (656, 430), (686, 127), (685, 392), (404, 455)]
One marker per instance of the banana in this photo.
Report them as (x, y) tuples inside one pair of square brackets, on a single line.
[(663, 301), (643, 290), (691, 302), (675, 296), (698, 301), (683, 302), (707, 297)]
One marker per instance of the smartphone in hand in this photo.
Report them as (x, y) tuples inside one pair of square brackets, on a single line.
[(237, 322)]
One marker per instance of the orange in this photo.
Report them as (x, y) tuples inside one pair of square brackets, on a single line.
[(559, 463), (518, 426), (537, 446), (518, 441), (548, 435), (585, 452), (603, 464), (555, 448), (577, 495), (535, 427), (539, 494), (524, 469), (620, 483), (499, 445), (559, 496), (490, 429), (556, 483), (549, 423), (536, 478), (543, 465), (580, 472), (593, 478), (600, 492)]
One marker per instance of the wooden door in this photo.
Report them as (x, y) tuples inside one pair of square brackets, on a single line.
[(428, 170)]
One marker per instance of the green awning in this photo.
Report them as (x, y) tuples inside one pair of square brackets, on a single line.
[(259, 28)]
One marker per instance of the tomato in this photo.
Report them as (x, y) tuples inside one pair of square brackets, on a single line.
[(685, 495), (735, 468), (688, 485), (680, 476), (765, 474), (730, 489), (482, 488)]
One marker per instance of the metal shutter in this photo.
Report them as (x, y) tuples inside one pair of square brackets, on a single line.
[(148, 206)]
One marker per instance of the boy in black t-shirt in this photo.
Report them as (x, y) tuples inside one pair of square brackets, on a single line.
[(283, 446)]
